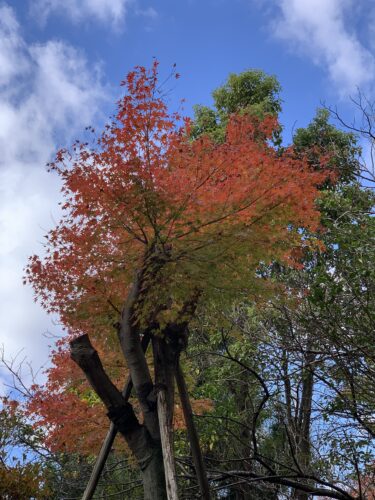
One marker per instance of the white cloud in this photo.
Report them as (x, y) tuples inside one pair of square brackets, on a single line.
[(319, 28), (48, 94), (112, 12)]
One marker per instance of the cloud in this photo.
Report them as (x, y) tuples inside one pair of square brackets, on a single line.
[(48, 94), (319, 29), (10, 43), (111, 12)]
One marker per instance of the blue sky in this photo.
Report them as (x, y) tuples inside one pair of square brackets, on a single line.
[(60, 65)]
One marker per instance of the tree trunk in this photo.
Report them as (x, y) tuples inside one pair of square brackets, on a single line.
[(153, 477), (148, 453), (303, 451), (131, 346)]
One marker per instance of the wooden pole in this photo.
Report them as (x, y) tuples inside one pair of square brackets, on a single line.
[(164, 365), (196, 451)]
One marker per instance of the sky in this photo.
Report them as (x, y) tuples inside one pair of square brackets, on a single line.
[(61, 62)]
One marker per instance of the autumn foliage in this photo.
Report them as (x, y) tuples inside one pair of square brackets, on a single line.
[(213, 211)]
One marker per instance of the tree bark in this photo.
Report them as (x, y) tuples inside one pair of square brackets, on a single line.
[(303, 448), (136, 360)]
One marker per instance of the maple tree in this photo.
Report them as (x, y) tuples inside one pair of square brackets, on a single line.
[(156, 223)]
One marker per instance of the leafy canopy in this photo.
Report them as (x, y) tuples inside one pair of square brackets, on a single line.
[(253, 92)]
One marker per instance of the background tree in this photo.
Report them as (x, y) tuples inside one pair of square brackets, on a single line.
[(299, 397)]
